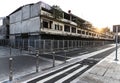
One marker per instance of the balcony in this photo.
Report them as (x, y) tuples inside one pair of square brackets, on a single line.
[(68, 21), (46, 14)]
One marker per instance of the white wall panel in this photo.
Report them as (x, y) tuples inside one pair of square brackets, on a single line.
[(18, 28), (15, 28), (12, 27), (32, 25), (35, 10), (16, 17), (25, 26), (26, 12)]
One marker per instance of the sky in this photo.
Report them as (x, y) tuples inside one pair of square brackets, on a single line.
[(101, 13)]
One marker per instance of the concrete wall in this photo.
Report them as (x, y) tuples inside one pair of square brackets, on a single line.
[(26, 12), (27, 26), (32, 25), (16, 17), (25, 19), (35, 10)]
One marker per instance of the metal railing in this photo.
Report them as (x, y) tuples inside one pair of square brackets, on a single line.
[(45, 46)]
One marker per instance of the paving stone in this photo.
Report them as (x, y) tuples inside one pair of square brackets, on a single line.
[(106, 71)]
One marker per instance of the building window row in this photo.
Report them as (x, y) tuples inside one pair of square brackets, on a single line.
[(67, 28), (58, 27), (73, 30)]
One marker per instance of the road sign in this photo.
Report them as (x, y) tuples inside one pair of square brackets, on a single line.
[(116, 27), (116, 38)]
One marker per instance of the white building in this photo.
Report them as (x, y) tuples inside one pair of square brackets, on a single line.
[(42, 21)]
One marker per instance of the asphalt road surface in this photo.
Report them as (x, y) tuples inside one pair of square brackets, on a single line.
[(23, 65), (69, 73), (74, 52)]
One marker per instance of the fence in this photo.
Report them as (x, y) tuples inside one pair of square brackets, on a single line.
[(50, 45)]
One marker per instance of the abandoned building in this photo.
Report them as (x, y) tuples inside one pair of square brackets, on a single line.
[(40, 20)]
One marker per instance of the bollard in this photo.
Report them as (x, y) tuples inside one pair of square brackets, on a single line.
[(37, 61), (10, 69), (65, 55), (53, 59)]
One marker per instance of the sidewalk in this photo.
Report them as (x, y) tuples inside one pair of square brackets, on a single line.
[(106, 71)]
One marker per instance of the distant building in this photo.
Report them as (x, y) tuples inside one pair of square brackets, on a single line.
[(42, 21), (4, 28)]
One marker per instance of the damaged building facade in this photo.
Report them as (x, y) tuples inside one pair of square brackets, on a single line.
[(42, 21)]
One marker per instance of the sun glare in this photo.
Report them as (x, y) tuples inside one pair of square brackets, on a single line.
[(99, 30)]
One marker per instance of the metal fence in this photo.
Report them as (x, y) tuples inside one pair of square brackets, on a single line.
[(50, 45)]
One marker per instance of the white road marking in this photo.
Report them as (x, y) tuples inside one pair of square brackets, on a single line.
[(44, 74), (72, 74), (84, 52), (52, 76), (80, 57), (90, 54)]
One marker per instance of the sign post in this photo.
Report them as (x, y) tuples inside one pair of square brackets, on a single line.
[(116, 39)]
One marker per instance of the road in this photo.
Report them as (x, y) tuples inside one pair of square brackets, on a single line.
[(74, 52), (69, 73), (25, 64)]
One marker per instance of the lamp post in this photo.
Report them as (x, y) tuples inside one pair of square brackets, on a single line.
[(116, 39)]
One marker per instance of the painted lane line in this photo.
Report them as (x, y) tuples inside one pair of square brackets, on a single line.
[(52, 76), (46, 73), (72, 74), (91, 54), (83, 52)]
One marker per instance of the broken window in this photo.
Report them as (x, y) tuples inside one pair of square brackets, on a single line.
[(79, 31), (66, 16), (83, 32), (45, 24), (86, 33), (73, 30), (58, 27), (89, 33), (66, 28), (73, 19)]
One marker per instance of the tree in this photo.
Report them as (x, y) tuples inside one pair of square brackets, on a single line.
[(57, 12)]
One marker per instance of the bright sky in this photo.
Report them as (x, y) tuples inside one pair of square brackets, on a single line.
[(100, 13)]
